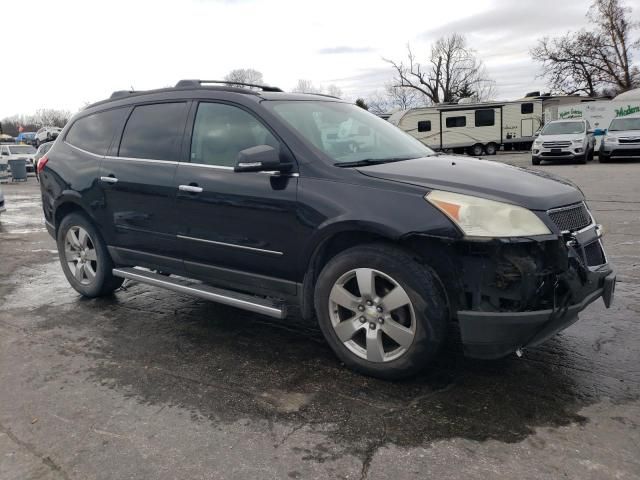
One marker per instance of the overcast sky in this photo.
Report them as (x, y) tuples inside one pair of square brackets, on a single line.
[(66, 53)]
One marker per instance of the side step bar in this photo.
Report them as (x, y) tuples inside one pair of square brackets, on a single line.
[(226, 297)]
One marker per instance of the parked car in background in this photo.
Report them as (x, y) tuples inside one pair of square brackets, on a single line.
[(17, 152), (564, 140), (263, 200), (621, 139), (28, 138), (41, 152), (46, 134)]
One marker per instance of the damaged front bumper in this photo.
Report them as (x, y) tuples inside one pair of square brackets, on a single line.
[(517, 295)]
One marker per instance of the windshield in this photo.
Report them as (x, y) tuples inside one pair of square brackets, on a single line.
[(346, 133), (625, 124), (563, 128), (21, 149)]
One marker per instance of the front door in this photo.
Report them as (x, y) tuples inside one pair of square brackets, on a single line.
[(237, 229), (137, 179)]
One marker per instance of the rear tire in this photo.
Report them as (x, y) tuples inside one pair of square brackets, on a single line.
[(477, 150), (396, 314), (491, 148), (84, 257)]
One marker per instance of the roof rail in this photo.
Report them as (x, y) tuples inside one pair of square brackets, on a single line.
[(121, 93), (199, 83)]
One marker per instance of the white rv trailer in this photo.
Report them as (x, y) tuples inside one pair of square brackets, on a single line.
[(482, 127), (475, 128)]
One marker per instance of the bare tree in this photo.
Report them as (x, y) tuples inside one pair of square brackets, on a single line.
[(51, 117), (306, 86), (334, 91), (568, 64), (614, 43), (245, 75), (452, 72), (396, 98), (594, 60)]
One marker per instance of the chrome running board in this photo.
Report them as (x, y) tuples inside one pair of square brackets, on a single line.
[(181, 285)]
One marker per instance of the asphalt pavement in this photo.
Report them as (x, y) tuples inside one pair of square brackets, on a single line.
[(148, 384)]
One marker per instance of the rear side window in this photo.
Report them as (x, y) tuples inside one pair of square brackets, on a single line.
[(485, 118), (93, 133), (424, 126), (154, 131), (526, 108), (453, 122)]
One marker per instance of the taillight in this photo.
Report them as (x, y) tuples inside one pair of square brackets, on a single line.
[(41, 163)]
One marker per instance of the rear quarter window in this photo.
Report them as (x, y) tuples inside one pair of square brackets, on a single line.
[(93, 133)]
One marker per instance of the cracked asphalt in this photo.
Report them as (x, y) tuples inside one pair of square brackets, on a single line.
[(148, 384)]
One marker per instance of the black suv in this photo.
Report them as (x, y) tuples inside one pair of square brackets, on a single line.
[(265, 200)]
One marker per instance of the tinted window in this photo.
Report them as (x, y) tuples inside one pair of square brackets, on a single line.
[(485, 118), (526, 108), (456, 122), (221, 131), (154, 131), (424, 125), (94, 132)]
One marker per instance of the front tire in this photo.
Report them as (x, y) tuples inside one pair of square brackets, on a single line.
[(535, 161), (84, 257), (477, 150), (382, 313)]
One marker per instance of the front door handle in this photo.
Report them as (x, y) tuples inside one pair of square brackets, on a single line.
[(109, 179), (190, 188)]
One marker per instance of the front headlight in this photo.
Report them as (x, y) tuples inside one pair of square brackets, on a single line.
[(610, 140), (578, 141), (537, 142), (479, 217)]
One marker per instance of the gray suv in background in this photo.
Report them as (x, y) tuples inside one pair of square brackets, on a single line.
[(621, 139)]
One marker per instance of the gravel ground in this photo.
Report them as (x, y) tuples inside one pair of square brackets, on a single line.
[(149, 384)]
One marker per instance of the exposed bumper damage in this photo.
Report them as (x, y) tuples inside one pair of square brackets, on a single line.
[(519, 294)]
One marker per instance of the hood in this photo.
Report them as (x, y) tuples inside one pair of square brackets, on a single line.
[(482, 178), (565, 137), (624, 134)]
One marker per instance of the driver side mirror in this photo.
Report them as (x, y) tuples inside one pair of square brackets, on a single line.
[(5, 154), (261, 158)]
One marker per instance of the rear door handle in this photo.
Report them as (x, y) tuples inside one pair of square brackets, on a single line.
[(109, 179), (190, 188)]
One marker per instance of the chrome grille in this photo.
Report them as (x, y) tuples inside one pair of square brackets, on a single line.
[(558, 144), (571, 218)]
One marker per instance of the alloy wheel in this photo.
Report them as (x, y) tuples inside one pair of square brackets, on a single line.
[(80, 255), (372, 315)]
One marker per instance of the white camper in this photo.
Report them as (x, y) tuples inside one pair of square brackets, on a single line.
[(475, 128)]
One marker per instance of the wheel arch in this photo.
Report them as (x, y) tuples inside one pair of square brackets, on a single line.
[(69, 201)]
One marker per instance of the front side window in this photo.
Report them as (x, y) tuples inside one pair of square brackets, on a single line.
[(453, 122), (93, 133), (485, 118), (154, 132), (221, 131), (346, 133), (563, 128)]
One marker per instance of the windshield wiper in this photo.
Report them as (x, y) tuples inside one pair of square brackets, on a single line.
[(371, 161)]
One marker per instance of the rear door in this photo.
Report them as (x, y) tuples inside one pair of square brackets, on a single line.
[(237, 229), (137, 178)]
